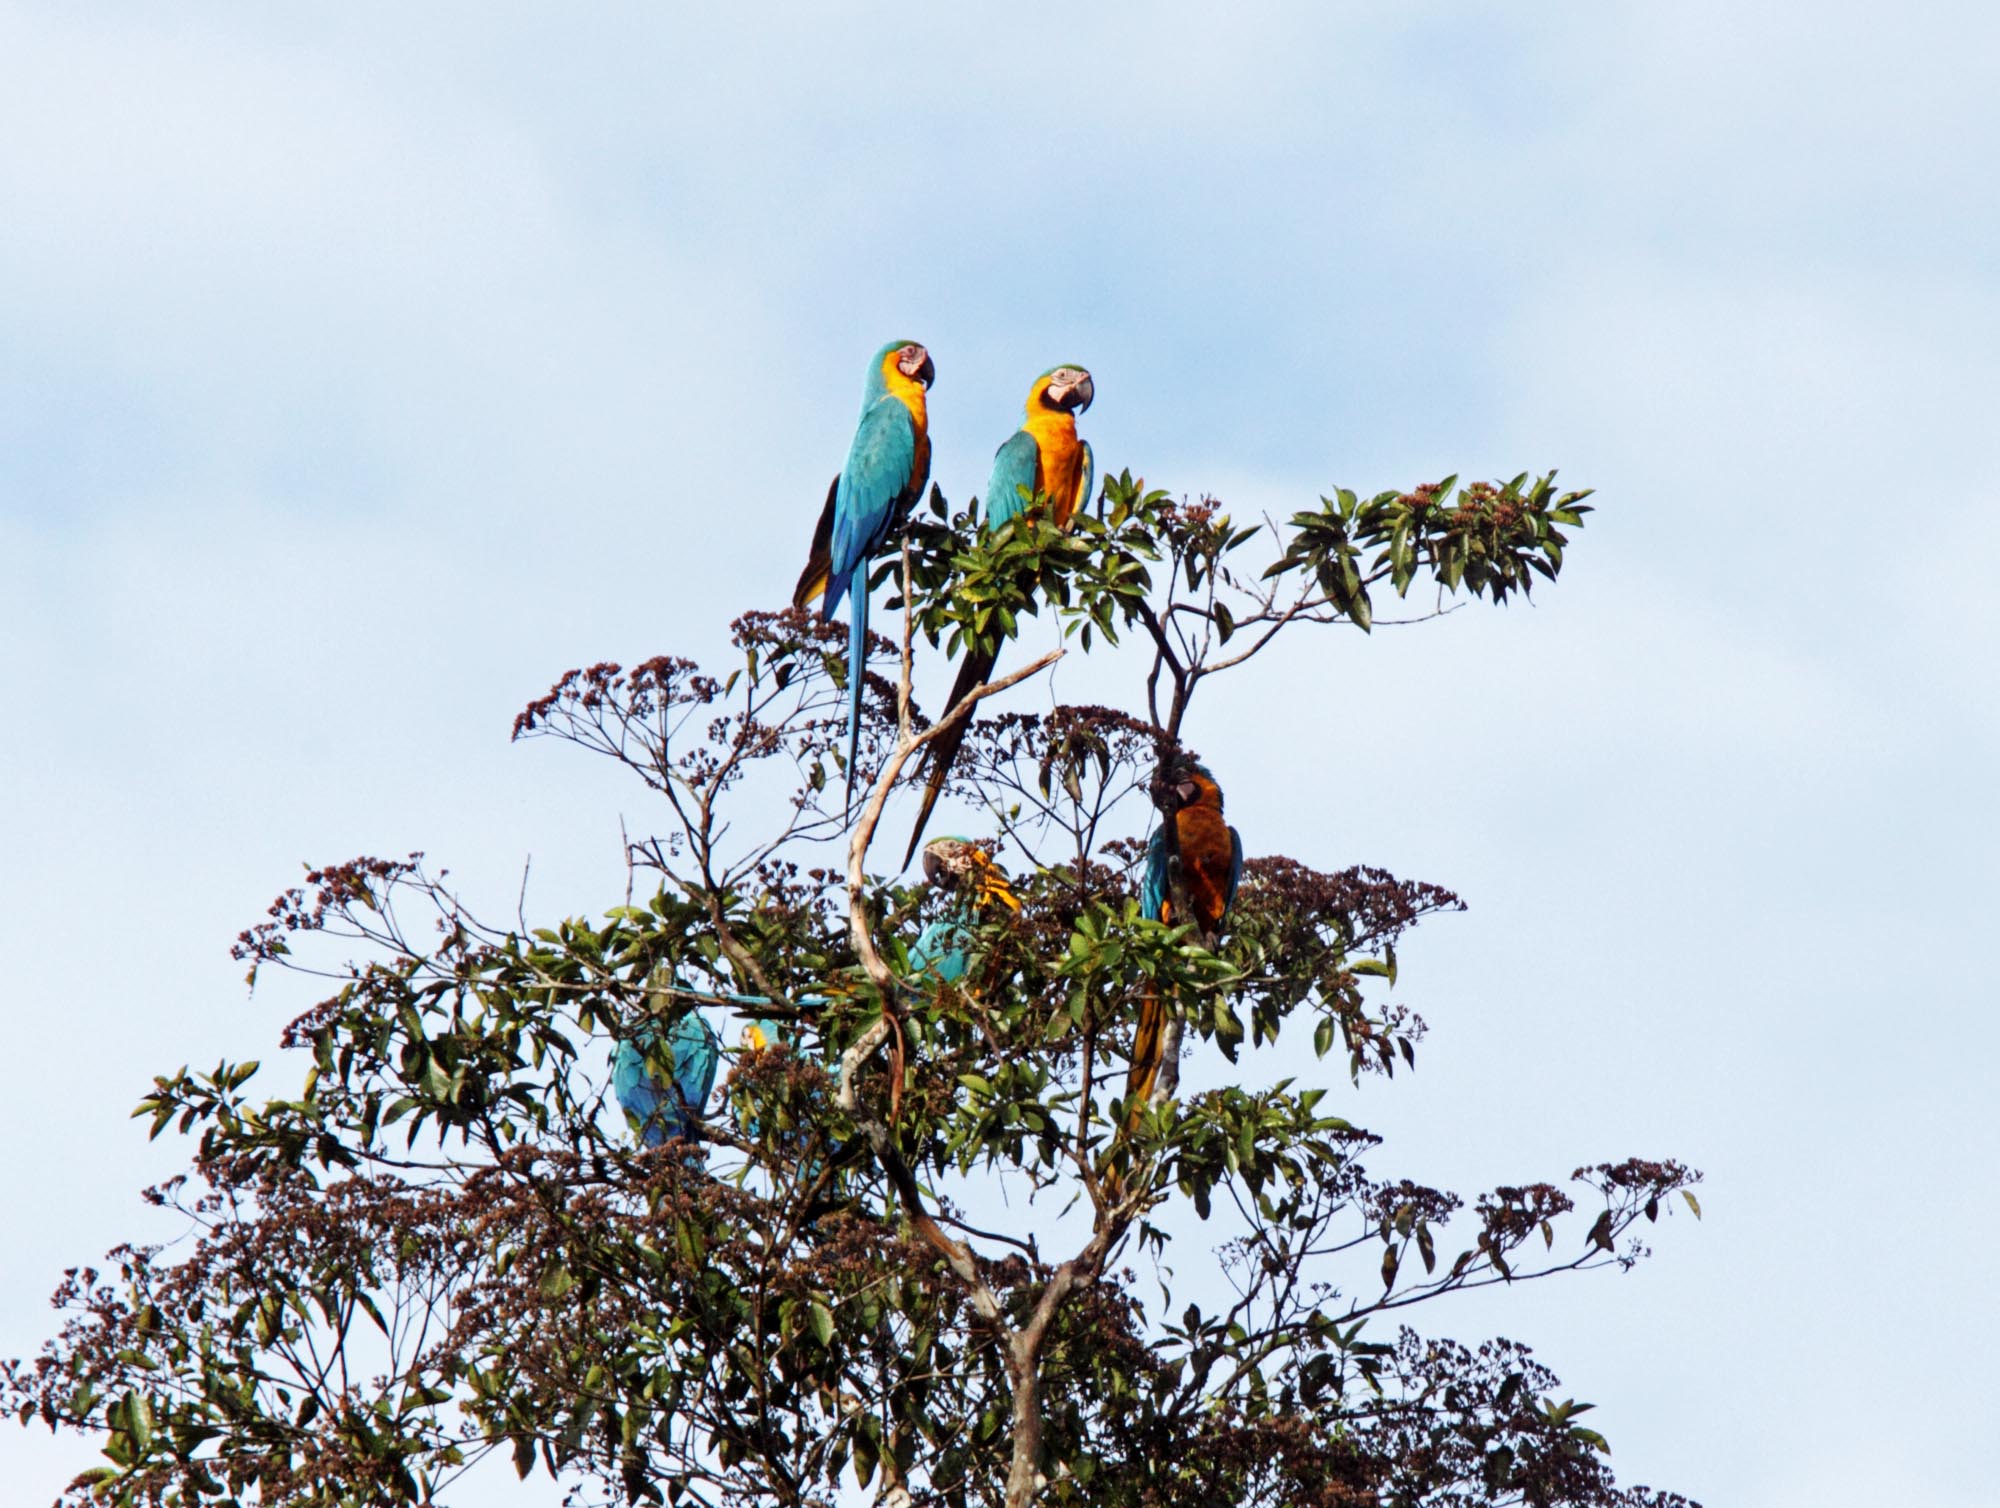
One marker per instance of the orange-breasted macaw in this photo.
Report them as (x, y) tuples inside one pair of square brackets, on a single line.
[(887, 466), (1043, 458), (1211, 854)]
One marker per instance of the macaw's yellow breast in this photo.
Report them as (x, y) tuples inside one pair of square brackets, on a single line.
[(909, 392), (1059, 461)]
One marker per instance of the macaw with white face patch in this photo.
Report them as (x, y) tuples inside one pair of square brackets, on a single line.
[(1044, 458), (887, 466)]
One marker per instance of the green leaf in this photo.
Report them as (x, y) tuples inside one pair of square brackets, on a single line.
[(139, 1420), (822, 1323)]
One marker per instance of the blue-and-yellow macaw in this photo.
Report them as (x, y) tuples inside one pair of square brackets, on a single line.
[(1211, 854), (943, 949), (1043, 458), (661, 1111), (887, 466)]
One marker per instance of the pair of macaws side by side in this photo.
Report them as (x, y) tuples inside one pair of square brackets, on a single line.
[(887, 467), (660, 1110)]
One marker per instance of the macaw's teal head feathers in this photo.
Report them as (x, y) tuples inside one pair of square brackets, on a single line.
[(899, 363), (1067, 389), (961, 865)]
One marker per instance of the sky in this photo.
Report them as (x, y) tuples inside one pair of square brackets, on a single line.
[(362, 370)]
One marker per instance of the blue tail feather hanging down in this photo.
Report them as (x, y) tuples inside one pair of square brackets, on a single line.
[(857, 671), (887, 466)]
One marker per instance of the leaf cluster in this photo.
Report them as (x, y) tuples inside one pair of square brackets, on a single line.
[(893, 1255)]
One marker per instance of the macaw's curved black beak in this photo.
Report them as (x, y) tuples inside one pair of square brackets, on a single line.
[(927, 373), (1074, 397)]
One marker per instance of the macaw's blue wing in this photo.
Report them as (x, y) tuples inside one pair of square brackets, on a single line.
[(879, 469), (662, 1111), (1014, 473), (942, 949), (876, 475), (1013, 469), (1235, 868), (1148, 1035), (1153, 886), (638, 1095)]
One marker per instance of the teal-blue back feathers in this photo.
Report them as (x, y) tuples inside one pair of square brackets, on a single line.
[(1013, 469), (874, 484), (660, 1112)]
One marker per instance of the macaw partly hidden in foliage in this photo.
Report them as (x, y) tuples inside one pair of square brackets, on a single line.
[(887, 466), (942, 950), (663, 1111), (963, 867), (1043, 458), (1211, 853)]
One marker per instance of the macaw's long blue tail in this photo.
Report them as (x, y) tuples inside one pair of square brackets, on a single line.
[(857, 669)]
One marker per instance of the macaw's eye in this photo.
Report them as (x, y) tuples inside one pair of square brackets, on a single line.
[(915, 362)]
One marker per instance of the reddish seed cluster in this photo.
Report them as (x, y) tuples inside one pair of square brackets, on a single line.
[(1368, 906), (305, 908), (1513, 1213), (1637, 1173)]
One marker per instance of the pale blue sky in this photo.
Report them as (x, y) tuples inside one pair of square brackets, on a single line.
[(360, 373)]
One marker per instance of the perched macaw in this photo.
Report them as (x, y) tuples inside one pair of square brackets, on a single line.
[(1211, 853), (660, 1112), (887, 466), (1043, 458), (963, 867)]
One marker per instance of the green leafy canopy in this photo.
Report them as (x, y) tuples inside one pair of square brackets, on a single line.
[(899, 1261)]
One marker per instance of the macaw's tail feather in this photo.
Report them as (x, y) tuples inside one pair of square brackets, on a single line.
[(813, 579), (944, 748), (1148, 1050), (1146, 1045), (857, 670)]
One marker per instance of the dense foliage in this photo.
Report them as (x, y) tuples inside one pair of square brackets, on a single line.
[(899, 1256)]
